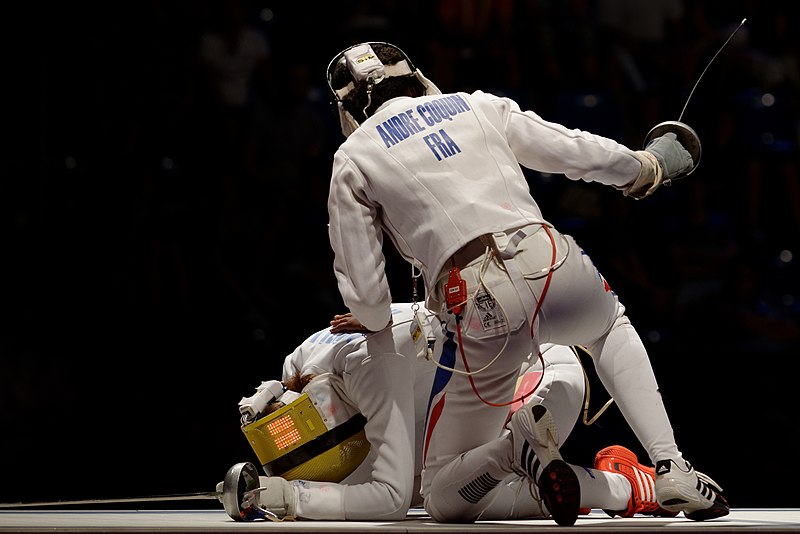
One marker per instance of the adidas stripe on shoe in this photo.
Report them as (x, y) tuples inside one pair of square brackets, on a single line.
[(620, 460), (535, 438), (680, 488)]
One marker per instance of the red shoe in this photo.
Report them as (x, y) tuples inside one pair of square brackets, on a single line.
[(618, 459)]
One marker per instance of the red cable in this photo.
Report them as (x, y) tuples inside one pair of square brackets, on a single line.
[(533, 322)]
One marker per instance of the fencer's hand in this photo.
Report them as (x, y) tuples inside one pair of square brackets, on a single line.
[(672, 157), (347, 324), (279, 496)]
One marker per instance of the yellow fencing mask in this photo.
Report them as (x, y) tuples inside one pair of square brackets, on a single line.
[(318, 435)]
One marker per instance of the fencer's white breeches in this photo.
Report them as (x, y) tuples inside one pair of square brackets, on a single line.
[(580, 308), (496, 338), (561, 388)]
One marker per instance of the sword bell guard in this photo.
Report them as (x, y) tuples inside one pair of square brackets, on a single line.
[(686, 137), (239, 480)]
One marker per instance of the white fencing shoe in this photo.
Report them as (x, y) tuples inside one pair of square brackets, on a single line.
[(679, 488), (535, 438)]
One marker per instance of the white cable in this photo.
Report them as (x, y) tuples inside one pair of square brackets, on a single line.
[(488, 254)]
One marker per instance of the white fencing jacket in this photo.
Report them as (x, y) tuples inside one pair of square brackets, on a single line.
[(435, 172)]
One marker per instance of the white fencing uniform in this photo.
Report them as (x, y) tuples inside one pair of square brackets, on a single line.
[(380, 371), (390, 388), (442, 174)]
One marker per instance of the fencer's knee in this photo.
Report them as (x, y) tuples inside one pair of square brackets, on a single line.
[(437, 501), (442, 513), (448, 502)]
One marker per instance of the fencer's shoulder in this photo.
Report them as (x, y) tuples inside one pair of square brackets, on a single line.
[(483, 95), (501, 104), (344, 165), (478, 93), (357, 143)]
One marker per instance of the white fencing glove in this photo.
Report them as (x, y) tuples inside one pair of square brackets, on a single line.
[(278, 496), (664, 158)]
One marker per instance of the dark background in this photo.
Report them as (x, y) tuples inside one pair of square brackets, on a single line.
[(163, 251)]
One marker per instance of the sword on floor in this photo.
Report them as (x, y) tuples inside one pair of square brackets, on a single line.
[(239, 497)]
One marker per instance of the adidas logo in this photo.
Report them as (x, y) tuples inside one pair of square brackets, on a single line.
[(528, 460), (663, 467)]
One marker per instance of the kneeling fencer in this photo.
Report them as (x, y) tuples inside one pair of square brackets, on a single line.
[(369, 394), (441, 175)]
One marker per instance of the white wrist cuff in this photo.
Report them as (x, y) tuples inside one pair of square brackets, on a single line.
[(649, 179)]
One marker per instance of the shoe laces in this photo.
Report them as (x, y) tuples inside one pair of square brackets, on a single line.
[(533, 489), (705, 484), (707, 487)]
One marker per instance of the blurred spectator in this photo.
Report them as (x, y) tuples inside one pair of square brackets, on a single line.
[(643, 37), (233, 114), (768, 119), (764, 316), (236, 60), (646, 42), (703, 248), (473, 46)]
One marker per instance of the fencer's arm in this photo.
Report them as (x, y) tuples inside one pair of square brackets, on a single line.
[(347, 324), (381, 385), (551, 147), (356, 237)]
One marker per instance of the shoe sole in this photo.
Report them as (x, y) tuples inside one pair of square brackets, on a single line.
[(716, 510), (561, 492), (545, 435), (558, 483), (674, 499)]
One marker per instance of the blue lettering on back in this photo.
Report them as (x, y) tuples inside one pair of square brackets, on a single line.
[(441, 144), (405, 125)]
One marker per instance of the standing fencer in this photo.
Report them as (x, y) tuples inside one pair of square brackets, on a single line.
[(386, 377), (441, 175)]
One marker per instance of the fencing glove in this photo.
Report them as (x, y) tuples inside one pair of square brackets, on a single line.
[(672, 157), (664, 158), (278, 497)]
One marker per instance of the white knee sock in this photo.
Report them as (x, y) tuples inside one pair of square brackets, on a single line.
[(599, 489)]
